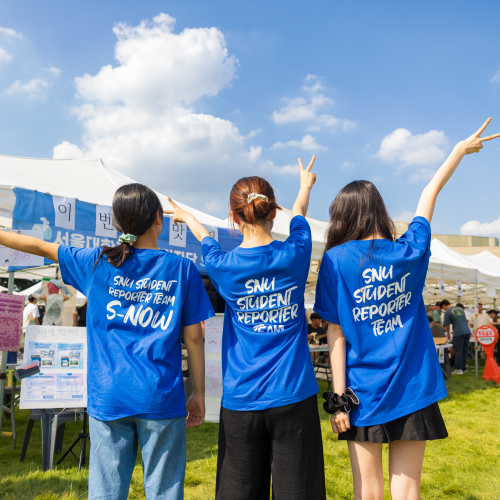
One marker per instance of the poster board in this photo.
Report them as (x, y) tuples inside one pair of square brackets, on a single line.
[(11, 321), (213, 367), (61, 353)]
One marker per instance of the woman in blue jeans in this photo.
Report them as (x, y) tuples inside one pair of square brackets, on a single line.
[(139, 297)]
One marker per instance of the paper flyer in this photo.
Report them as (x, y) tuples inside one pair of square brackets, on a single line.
[(213, 334), (213, 377), (61, 353)]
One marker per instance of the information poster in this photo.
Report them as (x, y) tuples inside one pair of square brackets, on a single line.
[(10, 257), (213, 334), (61, 353), (11, 321), (213, 377)]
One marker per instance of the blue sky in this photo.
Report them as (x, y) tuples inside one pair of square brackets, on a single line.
[(202, 93)]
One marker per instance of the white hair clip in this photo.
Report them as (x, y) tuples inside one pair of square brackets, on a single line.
[(253, 196)]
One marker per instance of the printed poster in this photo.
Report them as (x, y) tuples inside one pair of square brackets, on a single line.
[(213, 334), (213, 377), (11, 321), (61, 353)]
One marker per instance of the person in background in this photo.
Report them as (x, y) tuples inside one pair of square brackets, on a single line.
[(455, 316), (436, 329), (495, 319), (54, 303), (31, 314), (479, 319), (80, 316), (436, 313), (315, 331)]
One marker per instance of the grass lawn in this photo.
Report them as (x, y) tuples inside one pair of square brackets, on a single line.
[(466, 466)]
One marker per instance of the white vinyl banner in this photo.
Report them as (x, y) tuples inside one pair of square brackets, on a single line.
[(104, 222), (61, 353), (213, 367), (213, 230), (65, 209)]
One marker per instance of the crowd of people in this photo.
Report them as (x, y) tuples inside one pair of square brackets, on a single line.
[(386, 375)]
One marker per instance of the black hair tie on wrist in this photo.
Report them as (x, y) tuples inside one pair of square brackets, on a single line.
[(335, 404)]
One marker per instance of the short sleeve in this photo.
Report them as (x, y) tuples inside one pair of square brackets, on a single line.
[(77, 266), (36, 312), (326, 304), (418, 235), (197, 306), (213, 255), (300, 230), (447, 316)]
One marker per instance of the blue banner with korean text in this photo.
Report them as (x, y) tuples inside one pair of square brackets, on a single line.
[(68, 221)]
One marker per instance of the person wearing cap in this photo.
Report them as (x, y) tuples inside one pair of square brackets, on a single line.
[(54, 303)]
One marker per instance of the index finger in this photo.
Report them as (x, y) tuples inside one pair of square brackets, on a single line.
[(300, 165), (490, 137), (481, 130), (172, 203), (308, 169)]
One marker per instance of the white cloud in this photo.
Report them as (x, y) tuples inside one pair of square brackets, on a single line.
[(67, 151), (307, 143), (476, 228), (404, 216), (496, 78), (253, 133), (5, 56), (140, 114), (310, 109), (421, 150), (9, 33), (347, 165), (36, 87)]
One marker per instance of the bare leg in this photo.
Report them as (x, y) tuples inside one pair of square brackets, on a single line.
[(366, 464), (405, 469)]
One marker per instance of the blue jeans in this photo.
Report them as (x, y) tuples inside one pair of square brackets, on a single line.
[(461, 346), (113, 454)]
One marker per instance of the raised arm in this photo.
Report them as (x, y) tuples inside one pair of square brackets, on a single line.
[(473, 144), (28, 244), (307, 180), (180, 215)]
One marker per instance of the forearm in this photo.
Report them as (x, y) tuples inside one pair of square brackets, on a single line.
[(336, 344), (302, 202), (197, 228), (28, 244), (193, 339), (429, 195)]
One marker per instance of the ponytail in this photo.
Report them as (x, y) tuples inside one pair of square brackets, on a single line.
[(252, 200), (135, 208)]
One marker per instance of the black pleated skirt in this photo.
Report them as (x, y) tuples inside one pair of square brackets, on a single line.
[(422, 425)]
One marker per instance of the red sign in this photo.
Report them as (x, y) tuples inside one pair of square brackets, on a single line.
[(487, 336), (11, 321)]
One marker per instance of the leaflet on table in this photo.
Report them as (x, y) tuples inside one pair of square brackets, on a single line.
[(61, 353)]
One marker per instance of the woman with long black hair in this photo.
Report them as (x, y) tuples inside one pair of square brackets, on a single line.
[(384, 364)]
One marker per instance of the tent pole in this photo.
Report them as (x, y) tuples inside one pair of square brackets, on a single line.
[(3, 372), (476, 360)]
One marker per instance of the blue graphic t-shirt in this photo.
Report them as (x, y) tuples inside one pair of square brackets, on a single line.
[(265, 354), (134, 316), (375, 294)]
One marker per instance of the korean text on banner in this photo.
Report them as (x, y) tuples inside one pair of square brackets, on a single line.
[(11, 321), (61, 353)]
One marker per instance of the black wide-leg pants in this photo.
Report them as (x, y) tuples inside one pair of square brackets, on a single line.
[(285, 442)]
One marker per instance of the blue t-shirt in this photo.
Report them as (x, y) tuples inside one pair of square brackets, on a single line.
[(375, 295), (265, 354), (134, 316)]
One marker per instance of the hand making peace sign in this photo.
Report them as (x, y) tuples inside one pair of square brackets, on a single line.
[(474, 143), (307, 178)]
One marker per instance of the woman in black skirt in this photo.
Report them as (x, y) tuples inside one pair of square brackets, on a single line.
[(386, 374)]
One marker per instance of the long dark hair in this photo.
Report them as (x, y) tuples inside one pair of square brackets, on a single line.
[(135, 208), (356, 213), (258, 210)]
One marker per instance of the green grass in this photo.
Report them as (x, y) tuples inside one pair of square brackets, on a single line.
[(466, 466)]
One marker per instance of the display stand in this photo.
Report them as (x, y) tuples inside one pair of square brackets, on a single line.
[(84, 435)]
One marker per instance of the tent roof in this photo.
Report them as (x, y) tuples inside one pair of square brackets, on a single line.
[(88, 179)]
